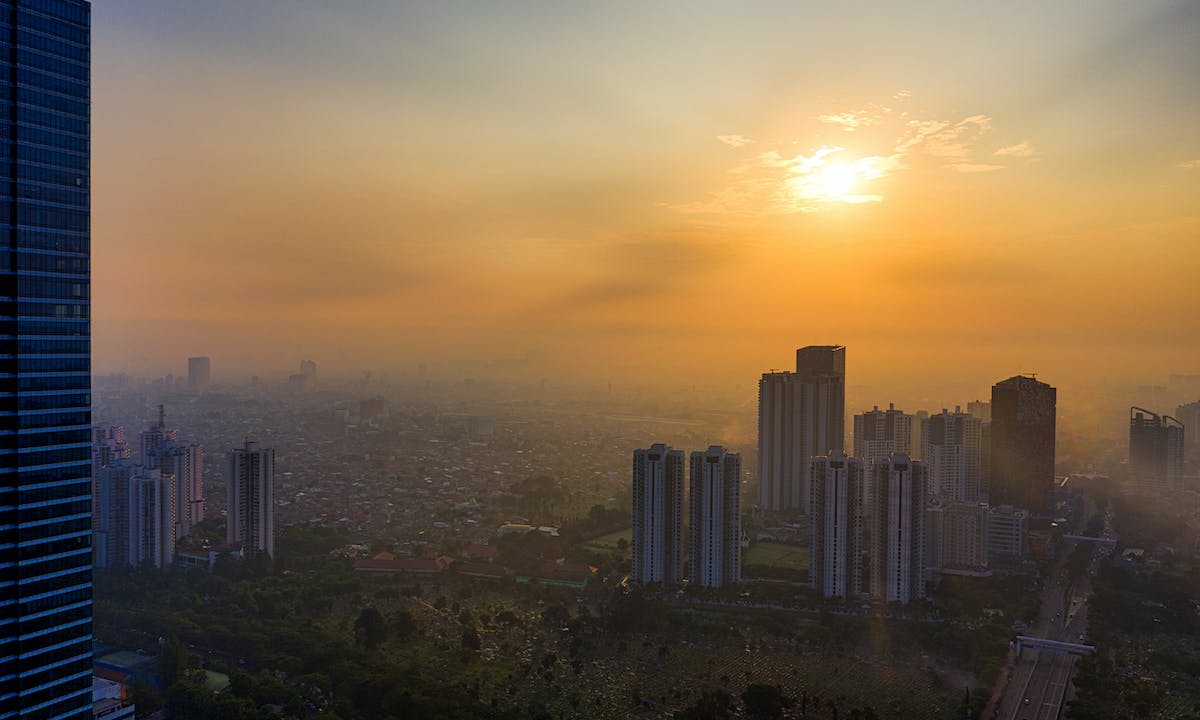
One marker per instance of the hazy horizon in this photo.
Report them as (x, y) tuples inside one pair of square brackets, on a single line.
[(642, 193)]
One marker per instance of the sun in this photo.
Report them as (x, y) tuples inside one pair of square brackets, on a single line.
[(836, 180)]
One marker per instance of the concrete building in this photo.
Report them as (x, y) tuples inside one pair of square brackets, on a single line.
[(1155, 450), (880, 433), (950, 448), (836, 555), (160, 448), (1022, 459), (152, 514), (956, 537), (250, 499), (199, 373), (1007, 530), (800, 415), (980, 409), (1189, 415), (657, 516), (715, 489), (898, 540)]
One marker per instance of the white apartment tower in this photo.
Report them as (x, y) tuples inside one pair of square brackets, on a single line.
[(836, 557), (250, 498), (657, 515), (715, 488), (898, 560), (800, 415), (880, 433), (151, 524), (951, 450), (161, 449)]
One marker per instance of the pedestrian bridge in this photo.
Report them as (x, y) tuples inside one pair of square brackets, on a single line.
[(1053, 646), (1085, 538)]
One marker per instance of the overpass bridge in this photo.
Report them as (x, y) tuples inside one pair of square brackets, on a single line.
[(1057, 647)]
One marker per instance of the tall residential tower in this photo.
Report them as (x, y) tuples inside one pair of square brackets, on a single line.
[(657, 515), (250, 499), (715, 489)]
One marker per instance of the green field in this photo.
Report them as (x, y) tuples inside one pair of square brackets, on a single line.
[(608, 543), (776, 555)]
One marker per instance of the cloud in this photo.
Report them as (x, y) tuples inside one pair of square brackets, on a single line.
[(1190, 165), (735, 141), (775, 181), (1020, 150)]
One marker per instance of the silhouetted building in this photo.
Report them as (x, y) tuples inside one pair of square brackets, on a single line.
[(980, 409), (880, 433), (1022, 462), (1189, 415), (308, 368), (250, 493), (836, 554), (657, 516), (46, 552), (1007, 528), (199, 373), (715, 490), (950, 449), (898, 538), (800, 415), (1155, 450)]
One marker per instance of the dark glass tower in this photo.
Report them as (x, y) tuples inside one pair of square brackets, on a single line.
[(45, 361), (1023, 422)]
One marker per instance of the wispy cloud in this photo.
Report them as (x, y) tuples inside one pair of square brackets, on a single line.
[(734, 141), (1190, 165), (774, 180)]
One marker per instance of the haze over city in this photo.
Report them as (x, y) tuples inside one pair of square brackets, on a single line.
[(634, 192)]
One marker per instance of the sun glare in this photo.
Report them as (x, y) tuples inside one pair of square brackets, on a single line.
[(837, 180)]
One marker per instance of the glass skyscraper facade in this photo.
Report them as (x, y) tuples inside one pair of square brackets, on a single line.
[(45, 362)]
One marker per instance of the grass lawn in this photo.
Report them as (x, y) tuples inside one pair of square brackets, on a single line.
[(608, 543), (776, 555)]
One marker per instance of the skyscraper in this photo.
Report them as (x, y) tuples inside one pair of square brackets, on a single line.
[(1189, 415), (879, 433), (250, 499), (199, 373), (950, 449), (836, 557), (160, 448), (1155, 450), (715, 489), (1022, 462), (657, 515), (45, 494), (898, 557), (800, 415)]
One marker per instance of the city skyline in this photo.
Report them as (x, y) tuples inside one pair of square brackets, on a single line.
[(365, 208)]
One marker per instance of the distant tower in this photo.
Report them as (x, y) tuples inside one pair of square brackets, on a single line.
[(898, 560), (716, 524), (800, 415), (950, 449), (836, 556), (1189, 415), (250, 498), (308, 368), (1022, 462), (199, 373), (879, 433), (657, 515), (1155, 450)]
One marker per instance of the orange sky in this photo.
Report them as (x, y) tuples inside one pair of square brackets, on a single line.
[(638, 190)]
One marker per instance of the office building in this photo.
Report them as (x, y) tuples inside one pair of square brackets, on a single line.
[(714, 490), (1155, 450), (956, 537), (898, 521), (45, 473), (1022, 462), (1007, 528), (199, 373), (800, 415), (657, 516), (250, 499), (1189, 415), (950, 449), (836, 552)]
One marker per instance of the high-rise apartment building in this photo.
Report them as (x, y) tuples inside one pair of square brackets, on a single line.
[(980, 409), (160, 448), (836, 551), (134, 517), (800, 415), (950, 449), (250, 499), (1155, 450), (657, 516), (199, 373), (918, 440), (1022, 461), (715, 489), (879, 433), (1007, 528), (1189, 415), (898, 540), (956, 537), (45, 490)]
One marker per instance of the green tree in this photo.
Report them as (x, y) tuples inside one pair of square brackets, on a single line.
[(764, 702), (370, 630)]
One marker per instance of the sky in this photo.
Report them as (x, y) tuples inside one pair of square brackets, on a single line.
[(648, 190)]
